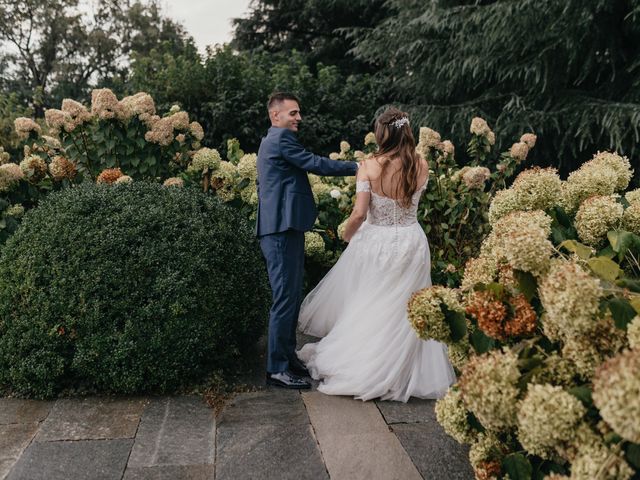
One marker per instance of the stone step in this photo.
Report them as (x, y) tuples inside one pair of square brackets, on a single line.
[(267, 435), (355, 441)]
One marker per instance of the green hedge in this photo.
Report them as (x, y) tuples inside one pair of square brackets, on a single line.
[(127, 288)]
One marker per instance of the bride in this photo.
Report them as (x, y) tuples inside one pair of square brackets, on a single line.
[(369, 349)]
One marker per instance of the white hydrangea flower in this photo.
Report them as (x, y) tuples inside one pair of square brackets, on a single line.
[(547, 417), (571, 299), (503, 203), (521, 239), (529, 139), (596, 216), (616, 393), (24, 126), (537, 189), (489, 388), (314, 245), (519, 151), (619, 164), (173, 182), (475, 177), (589, 180), (633, 332), (631, 218), (479, 127), (248, 166), (370, 138), (205, 159), (426, 315), (479, 270), (633, 196), (452, 416)]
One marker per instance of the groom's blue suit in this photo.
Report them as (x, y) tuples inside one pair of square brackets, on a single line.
[(286, 210)]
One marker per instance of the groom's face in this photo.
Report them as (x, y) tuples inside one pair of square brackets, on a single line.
[(286, 115)]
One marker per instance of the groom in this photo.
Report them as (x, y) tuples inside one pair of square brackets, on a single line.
[(285, 211)]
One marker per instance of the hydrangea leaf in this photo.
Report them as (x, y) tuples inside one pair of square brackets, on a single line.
[(622, 242), (576, 247), (622, 312), (456, 321), (582, 393), (526, 284), (632, 454), (517, 467), (605, 268), (480, 342), (635, 303)]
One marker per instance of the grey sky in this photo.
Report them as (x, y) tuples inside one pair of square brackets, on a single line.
[(208, 21)]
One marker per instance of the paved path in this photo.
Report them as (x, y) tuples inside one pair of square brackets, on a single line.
[(267, 434)]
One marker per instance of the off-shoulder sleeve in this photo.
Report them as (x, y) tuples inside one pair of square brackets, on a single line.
[(363, 186)]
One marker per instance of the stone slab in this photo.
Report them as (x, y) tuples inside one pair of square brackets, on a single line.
[(274, 406), (366, 456), (17, 410), (170, 472), (343, 415), (5, 467), (92, 418), (175, 431), (414, 411), (277, 452), (65, 460), (355, 441), (14, 438), (435, 454)]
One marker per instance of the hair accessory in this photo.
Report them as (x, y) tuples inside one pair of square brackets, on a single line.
[(400, 122)]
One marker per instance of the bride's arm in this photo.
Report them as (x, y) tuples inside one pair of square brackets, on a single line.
[(359, 213)]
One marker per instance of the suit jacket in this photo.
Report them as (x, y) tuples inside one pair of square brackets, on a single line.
[(285, 200)]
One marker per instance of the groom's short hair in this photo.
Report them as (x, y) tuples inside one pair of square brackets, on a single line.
[(279, 97)]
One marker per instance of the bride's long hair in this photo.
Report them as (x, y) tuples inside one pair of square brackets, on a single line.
[(395, 139)]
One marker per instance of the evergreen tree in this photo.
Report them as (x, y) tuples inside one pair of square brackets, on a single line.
[(569, 70), (315, 27)]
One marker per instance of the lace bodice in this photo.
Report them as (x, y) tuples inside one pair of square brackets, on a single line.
[(388, 211)]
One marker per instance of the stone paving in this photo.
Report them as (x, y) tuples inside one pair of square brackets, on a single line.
[(267, 434)]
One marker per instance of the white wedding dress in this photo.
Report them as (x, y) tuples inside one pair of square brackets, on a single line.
[(369, 349)]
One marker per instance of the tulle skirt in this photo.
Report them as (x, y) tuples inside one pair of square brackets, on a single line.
[(368, 348)]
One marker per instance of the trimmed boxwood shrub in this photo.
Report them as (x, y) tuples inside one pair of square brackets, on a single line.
[(127, 288)]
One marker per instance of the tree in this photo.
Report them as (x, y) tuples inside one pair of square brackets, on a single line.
[(316, 28), (227, 93), (57, 52), (569, 71)]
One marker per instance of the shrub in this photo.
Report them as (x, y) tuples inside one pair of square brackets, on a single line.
[(565, 313), (127, 288)]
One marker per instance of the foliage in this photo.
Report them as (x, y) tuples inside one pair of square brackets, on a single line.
[(567, 314), (227, 92), (314, 28), (10, 109), (111, 139), (127, 288), (55, 51), (573, 82), (454, 210)]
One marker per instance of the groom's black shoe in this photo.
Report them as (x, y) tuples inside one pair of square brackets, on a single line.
[(287, 380), (297, 367)]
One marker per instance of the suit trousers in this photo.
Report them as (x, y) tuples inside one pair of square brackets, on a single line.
[(284, 255)]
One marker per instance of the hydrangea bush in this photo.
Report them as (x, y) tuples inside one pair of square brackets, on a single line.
[(549, 361), (107, 142), (454, 210)]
